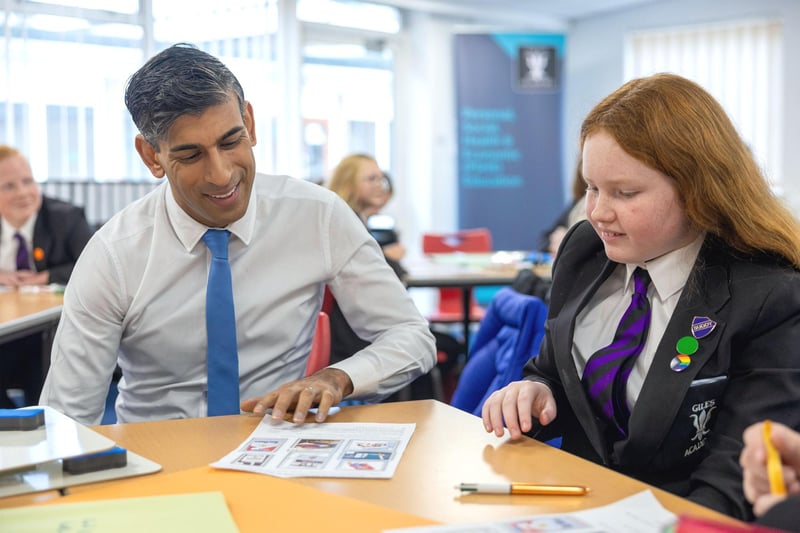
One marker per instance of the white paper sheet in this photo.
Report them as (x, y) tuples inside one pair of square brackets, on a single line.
[(344, 450), (640, 513)]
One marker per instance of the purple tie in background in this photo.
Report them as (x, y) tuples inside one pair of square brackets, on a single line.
[(607, 370), (23, 259)]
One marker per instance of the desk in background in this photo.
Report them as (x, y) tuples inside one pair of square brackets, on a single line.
[(467, 271), (23, 312), (29, 311), (448, 447)]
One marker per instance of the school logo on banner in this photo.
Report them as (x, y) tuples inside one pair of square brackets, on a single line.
[(536, 67)]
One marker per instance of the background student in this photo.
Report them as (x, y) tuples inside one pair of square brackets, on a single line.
[(139, 295), (52, 233), (367, 189), (572, 214), (772, 510), (40, 240), (674, 316), (359, 181)]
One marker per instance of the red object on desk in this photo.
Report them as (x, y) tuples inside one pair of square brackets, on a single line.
[(691, 524), (451, 304)]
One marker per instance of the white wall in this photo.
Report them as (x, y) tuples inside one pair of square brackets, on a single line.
[(424, 170)]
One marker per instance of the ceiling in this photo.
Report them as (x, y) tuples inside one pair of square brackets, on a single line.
[(523, 11)]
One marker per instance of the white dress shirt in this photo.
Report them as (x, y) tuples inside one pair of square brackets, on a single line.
[(137, 298), (597, 323)]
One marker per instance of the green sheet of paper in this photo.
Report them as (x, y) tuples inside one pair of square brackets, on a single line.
[(198, 512)]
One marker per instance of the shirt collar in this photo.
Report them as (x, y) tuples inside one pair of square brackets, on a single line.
[(189, 231), (670, 271), (26, 230)]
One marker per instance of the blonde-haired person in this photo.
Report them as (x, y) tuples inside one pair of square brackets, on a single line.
[(674, 193), (365, 187)]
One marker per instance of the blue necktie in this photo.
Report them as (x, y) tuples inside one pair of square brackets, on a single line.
[(23, 258), (223, 360), (607, 370)]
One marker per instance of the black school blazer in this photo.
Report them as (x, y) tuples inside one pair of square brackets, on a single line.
[(685, 431)]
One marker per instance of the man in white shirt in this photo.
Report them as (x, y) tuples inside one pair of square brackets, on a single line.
[(137, 296)]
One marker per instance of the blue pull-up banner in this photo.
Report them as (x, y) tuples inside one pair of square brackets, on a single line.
[(509, 105)]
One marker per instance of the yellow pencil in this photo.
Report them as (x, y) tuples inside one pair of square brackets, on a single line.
[(774, 468)]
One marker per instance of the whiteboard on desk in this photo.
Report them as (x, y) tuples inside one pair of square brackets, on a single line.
[(59, 438), (50, 476)]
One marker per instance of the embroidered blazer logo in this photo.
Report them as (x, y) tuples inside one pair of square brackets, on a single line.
[(700, 417), (699, 421)]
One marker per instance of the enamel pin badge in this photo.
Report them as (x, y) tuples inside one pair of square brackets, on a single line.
[(702, 326)]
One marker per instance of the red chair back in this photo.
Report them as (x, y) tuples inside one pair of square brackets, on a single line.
[(476, 240), (468, 240), (320, 355)]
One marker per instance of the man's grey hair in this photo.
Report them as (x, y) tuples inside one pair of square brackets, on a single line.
[(178, 81)]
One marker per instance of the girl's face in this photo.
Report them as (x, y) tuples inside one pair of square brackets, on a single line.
[(634, 209), (370, 191)]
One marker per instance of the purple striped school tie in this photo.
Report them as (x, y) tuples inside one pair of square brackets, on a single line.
[(607, 370), (23, 258)]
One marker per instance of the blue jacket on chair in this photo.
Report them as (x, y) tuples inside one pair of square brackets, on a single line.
[(509, 335)]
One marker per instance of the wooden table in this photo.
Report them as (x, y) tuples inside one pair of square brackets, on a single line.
[(23, 312), (28, 311), (448, 447)]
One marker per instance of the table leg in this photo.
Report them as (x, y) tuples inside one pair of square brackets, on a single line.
[(466, 301)]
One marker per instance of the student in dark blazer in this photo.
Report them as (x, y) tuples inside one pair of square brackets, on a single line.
[(55, 231), (773, 510), (52, 234), (674, 193)]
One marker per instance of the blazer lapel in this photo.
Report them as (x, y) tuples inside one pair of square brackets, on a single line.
[(42, 239), (664, 388), (586, 284)]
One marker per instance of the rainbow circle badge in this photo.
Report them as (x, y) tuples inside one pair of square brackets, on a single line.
[(680, 363)]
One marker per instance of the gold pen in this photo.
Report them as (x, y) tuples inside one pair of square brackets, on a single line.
[(523, 488)]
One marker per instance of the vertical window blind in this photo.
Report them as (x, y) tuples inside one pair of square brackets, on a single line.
[(739, 63)]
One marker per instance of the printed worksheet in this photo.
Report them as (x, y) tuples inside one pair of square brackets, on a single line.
[(284, 449), (640, 513)]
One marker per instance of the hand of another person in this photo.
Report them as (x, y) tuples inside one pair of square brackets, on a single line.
[(394, 251), (324, 389), (516, 404), (28, 277), (754, 464), (9, 279)]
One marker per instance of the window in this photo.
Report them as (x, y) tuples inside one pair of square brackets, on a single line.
[(62, 85), (70, 135), (351, 14), (739, 63), (241, 34), (350, 88)]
